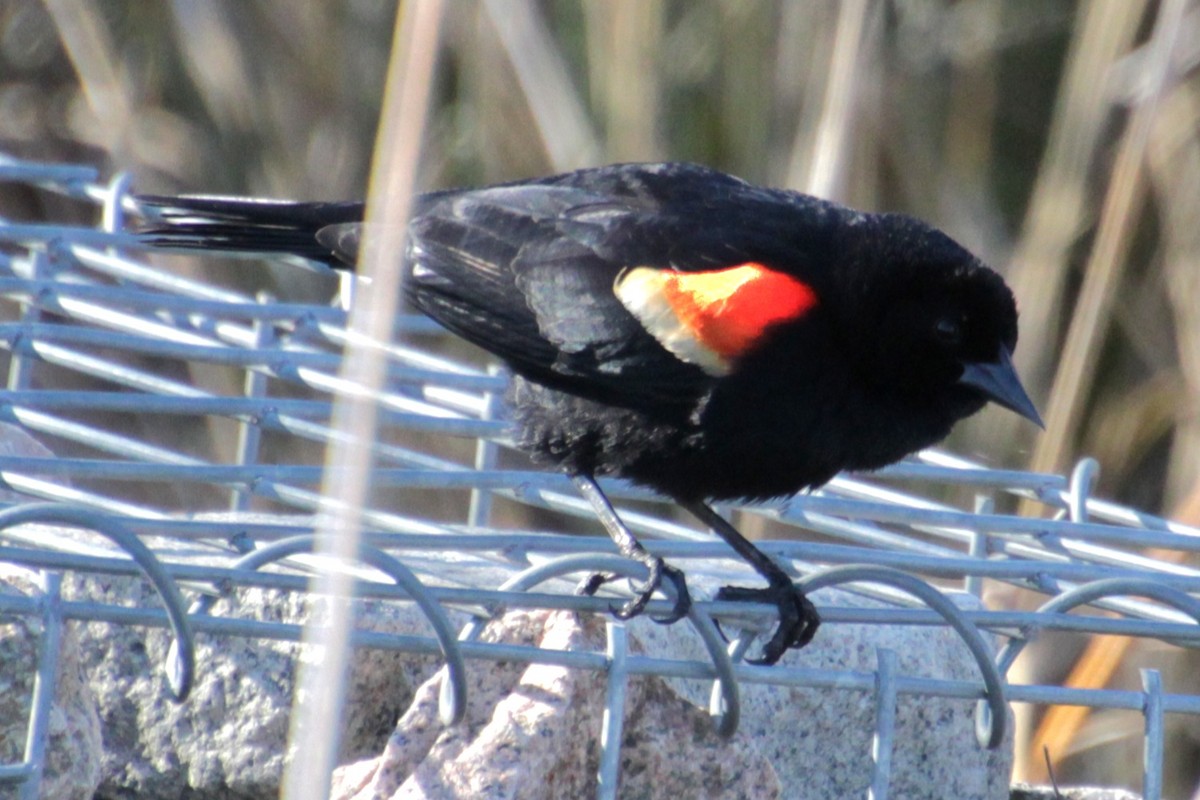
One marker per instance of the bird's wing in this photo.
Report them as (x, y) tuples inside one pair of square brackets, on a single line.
[(609, 283), (496, 267)]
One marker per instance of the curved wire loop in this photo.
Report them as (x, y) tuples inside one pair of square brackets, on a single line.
[(990, 731), (1095, 590), (1083, 478), (725, 707), (1088, 593), (452, 701), (181, 660), (114, 211)]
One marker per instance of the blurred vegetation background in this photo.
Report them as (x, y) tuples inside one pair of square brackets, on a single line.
[(1056, 139)]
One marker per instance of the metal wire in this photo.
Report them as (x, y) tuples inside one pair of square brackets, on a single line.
[(87, 302)]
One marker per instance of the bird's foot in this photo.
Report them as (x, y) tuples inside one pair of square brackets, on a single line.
[(642, 593), (798, 617)]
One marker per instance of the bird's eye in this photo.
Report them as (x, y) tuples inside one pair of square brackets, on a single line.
[(948, 330)]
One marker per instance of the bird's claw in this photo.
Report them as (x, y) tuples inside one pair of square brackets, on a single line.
[(643, 593), (592, 583), (798, 617)]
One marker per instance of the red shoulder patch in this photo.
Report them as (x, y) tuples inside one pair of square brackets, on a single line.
[(710, 318)]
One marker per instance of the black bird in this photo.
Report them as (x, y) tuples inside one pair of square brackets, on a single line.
[(684, 329)]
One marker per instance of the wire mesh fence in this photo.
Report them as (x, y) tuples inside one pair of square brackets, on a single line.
[(133, 370)]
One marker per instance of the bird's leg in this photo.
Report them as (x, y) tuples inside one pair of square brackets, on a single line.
[(798, 618), (630, 547)]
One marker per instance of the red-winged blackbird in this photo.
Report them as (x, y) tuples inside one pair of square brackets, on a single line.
[(676, 326)]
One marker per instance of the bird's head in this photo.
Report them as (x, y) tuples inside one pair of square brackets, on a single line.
[(930, 321)]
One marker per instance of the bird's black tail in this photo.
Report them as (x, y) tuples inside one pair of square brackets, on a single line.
[(241, 225)]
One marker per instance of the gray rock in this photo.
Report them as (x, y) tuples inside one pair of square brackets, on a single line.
[(1024, 791), (74, 749), (230, 738), (532, 732), (530, 727), (819, 740)]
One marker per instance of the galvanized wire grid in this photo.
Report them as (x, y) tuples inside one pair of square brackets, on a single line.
[(86, 303)]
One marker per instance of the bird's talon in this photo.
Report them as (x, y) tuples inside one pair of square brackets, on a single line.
[(683, 598), (630, 609), (644, 592), (798, 617), (592, 583)]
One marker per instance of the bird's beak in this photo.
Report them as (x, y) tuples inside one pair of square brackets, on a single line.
[(999, 383)]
